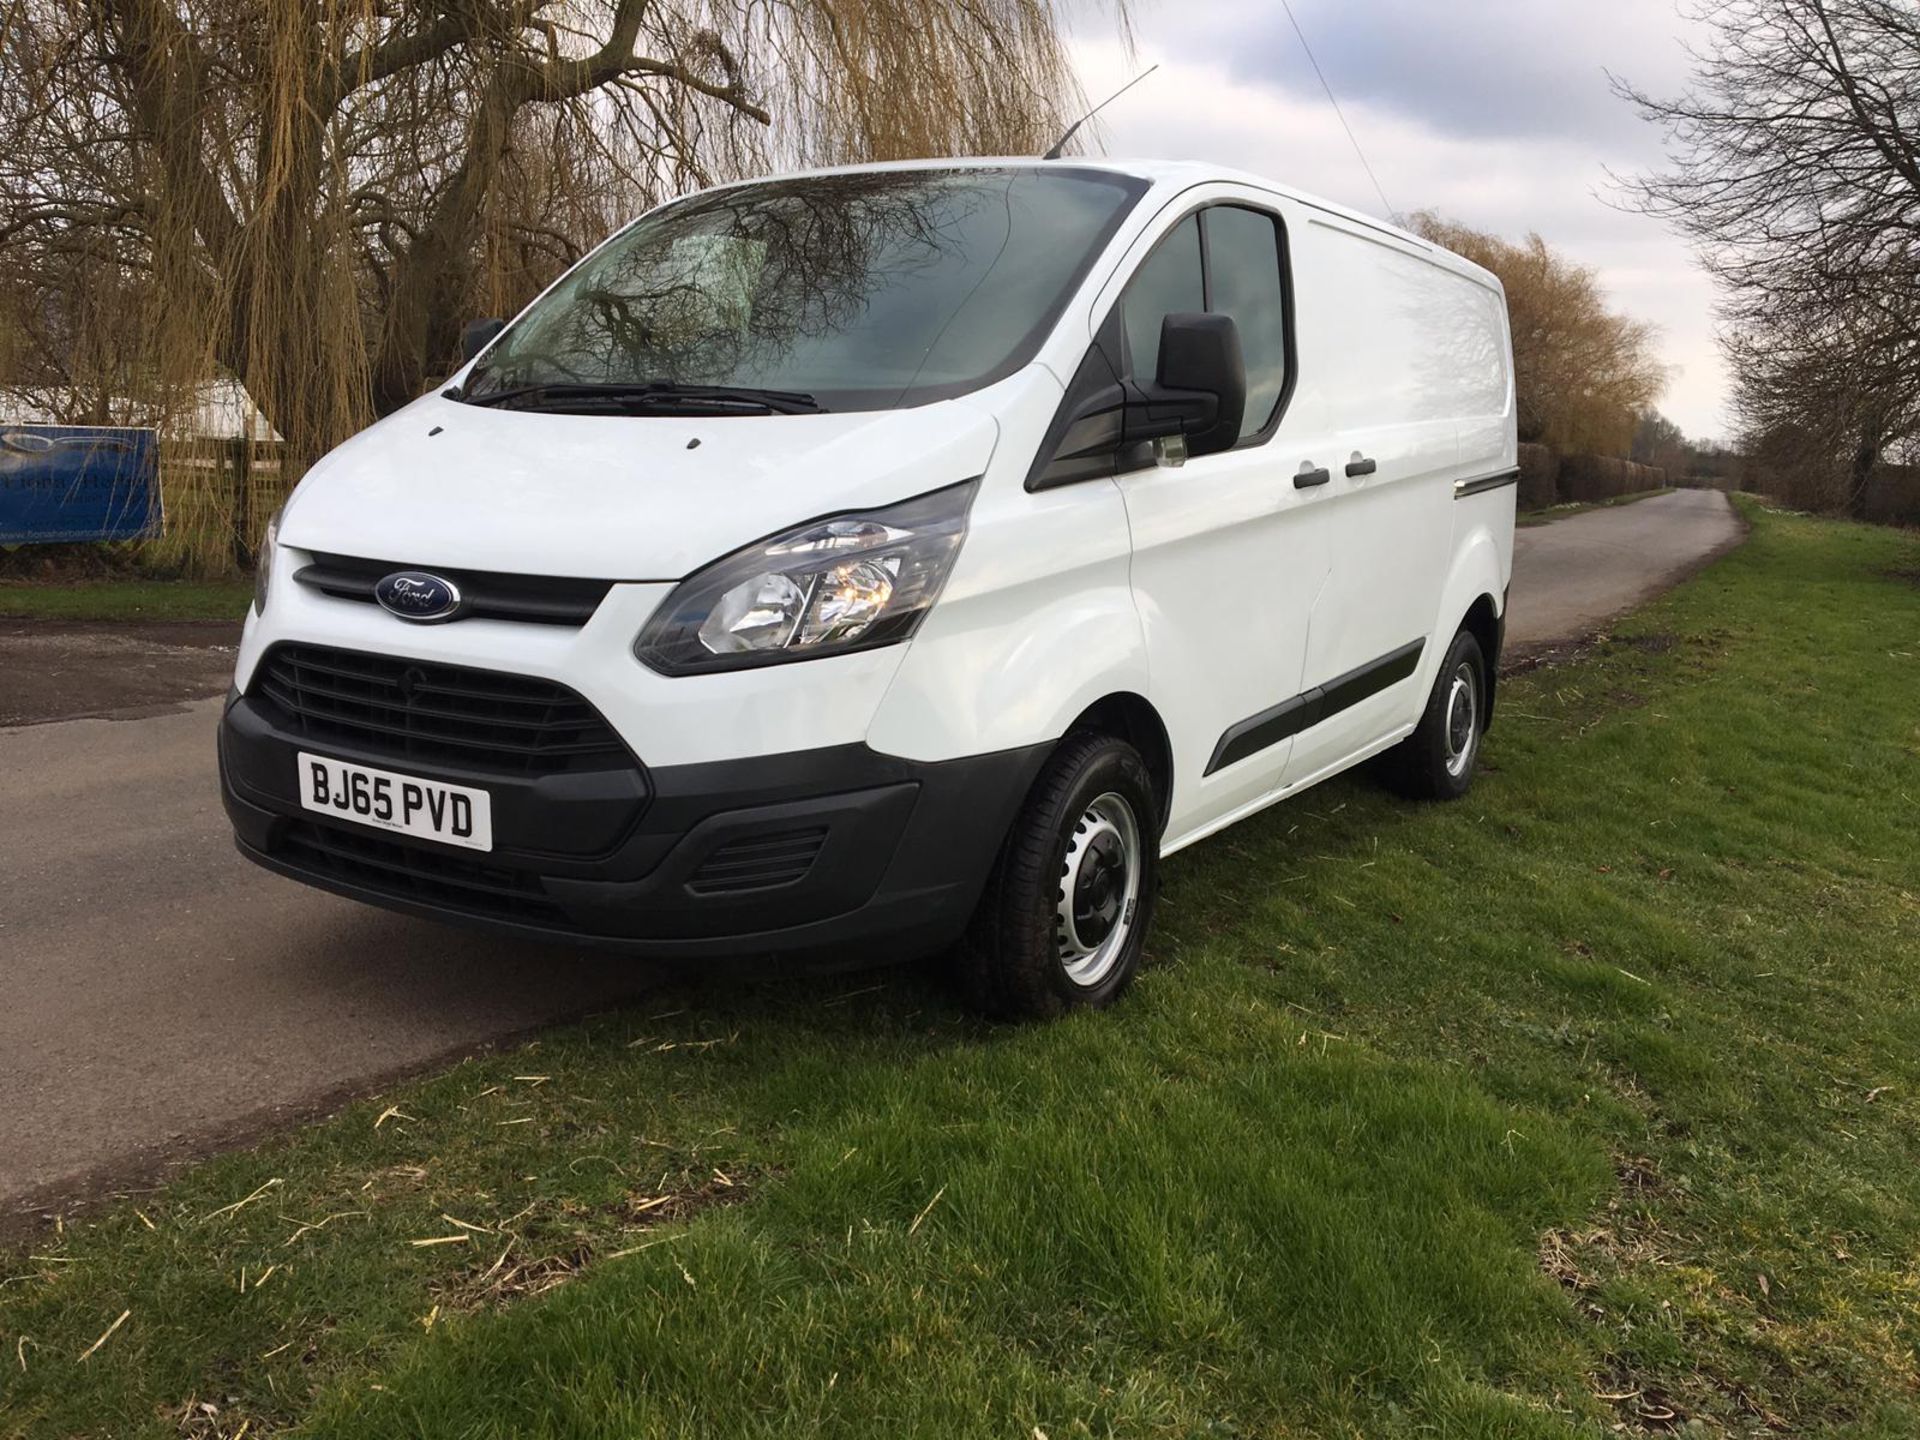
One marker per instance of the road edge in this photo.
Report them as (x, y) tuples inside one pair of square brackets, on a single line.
[(1563, 649)]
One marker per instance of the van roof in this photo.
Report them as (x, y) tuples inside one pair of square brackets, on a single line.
[(1172, 176)]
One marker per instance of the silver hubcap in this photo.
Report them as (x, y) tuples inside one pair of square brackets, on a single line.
[(1463, 719), (1099, 890)]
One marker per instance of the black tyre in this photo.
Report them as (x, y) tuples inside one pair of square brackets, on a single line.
[(1066, 911), (1436, 761)]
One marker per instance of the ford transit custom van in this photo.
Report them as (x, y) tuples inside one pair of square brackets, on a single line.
[(888, 561)]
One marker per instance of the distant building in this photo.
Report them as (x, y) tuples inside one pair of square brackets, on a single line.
[(223, 410)]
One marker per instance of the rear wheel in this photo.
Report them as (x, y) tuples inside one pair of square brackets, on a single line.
[(1436, 761), (1064, 919)]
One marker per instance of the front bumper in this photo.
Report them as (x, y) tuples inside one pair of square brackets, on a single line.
[(796, 854)]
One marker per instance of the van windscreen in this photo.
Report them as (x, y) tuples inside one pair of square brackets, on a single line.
[(861, 291)]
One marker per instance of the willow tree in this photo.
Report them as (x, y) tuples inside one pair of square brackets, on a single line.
[(312, 195)]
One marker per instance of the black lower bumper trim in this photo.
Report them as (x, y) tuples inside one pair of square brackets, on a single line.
[(809, 851)]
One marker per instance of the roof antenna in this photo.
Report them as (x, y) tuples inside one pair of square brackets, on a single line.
[(1061, 143)]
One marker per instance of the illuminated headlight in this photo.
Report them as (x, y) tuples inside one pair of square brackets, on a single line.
[(852, 582), (263, 564)]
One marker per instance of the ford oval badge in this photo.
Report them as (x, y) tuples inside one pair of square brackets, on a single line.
[(416, 595)]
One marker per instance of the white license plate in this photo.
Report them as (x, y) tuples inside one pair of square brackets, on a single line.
[(451, 814)]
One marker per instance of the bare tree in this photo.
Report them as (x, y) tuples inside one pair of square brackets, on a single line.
[(1583, 373), (1796, 172), (1658, 441), (312, 195), (1832, 387)]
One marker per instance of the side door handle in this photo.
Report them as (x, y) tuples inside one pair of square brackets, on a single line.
[(1309, 476), (1360, 465)]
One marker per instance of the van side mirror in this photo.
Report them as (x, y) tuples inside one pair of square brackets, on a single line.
[(1200, 387), (477, 335)]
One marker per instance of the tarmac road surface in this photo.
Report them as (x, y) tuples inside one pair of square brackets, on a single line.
[(163, 997), (1571, 577)]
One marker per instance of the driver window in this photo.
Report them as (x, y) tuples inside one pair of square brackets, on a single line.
[(1243, 280), (1169, 282), (1235, 269)]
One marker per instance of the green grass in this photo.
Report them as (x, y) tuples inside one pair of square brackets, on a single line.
[(1591, 1100), (1528, 519), (125, 600)]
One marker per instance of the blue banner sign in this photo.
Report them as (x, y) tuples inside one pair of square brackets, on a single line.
[(77, 482)]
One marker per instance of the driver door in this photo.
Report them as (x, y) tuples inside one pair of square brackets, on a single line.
[(1228, 554)]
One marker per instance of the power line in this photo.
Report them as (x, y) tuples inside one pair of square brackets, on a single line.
[(1351, 138)]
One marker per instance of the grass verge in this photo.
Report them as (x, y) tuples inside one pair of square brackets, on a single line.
[(125, 600), (1589, 1103)]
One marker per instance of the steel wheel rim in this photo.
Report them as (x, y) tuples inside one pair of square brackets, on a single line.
[(1098, 898), (1462, 718)]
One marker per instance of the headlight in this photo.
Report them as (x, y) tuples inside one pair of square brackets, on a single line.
[(263, 564), (850, 582)]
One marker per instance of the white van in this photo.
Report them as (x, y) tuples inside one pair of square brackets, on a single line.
[(893, 560)]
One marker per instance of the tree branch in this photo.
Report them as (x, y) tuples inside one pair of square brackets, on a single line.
[(615, 59), (371, 64), (162, 68)]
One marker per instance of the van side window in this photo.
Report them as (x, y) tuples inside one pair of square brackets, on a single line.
[(1244, 281), (1226, 259), (1169, 282)]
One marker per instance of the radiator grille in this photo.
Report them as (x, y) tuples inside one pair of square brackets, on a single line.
[(414, 710), (759, 862), (534, 599)]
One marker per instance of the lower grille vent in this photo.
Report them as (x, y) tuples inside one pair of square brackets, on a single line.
[(424, 876), (427, 711), (759, 862)]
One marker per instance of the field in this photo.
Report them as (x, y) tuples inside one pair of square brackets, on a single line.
[(1591, 1101)]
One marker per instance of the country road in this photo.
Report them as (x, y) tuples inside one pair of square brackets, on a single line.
[(163, 996), (1571, 577)]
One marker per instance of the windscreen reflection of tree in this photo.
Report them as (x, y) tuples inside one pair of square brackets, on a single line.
[(726, 293)]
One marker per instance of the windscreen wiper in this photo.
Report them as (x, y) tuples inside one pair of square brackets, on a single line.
[(647, 395)]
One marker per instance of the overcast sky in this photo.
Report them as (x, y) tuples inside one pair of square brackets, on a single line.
[(1494, 112)]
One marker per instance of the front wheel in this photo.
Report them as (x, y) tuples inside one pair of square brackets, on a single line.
[(1436, 761), (1064, 919)]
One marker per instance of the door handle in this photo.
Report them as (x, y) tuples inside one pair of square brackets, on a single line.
[(1360, 465), (1309, 476)]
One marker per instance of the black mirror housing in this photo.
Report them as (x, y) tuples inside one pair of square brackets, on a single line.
[(1200, 387), (477, 335)]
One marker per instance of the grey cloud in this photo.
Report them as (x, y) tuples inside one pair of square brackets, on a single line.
[(1509, 68), (1495, 112)]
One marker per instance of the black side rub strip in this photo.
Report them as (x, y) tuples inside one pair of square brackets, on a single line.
[(1464, 488), (1290, 717)]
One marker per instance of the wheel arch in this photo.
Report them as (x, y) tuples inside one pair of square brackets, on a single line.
[(1487, 624), (1474, 600), (1129, 716)]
